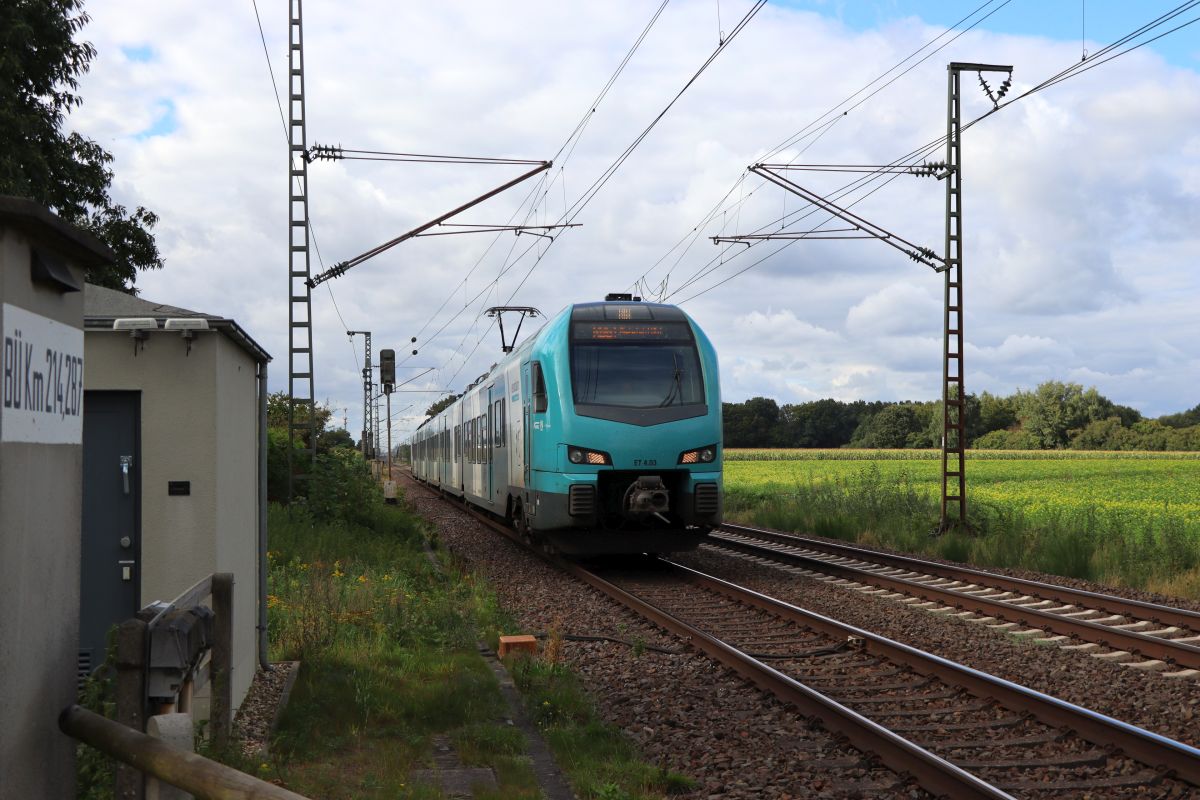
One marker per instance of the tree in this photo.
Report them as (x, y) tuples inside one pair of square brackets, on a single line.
[(752, 423), (1183, 419), (40, 66), (896, 426), (995, 414), (1054, 411), (441, 405), (277, 412)]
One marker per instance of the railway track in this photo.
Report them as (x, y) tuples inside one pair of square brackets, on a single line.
[(959, 732), (965, 733), (1139, 635)]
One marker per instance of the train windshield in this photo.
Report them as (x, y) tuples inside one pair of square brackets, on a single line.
[(643, 365)]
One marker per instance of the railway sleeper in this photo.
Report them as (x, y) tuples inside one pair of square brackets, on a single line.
[(1143, 778), (1094, 758)]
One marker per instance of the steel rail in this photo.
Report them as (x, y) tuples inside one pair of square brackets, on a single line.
[(932, 772), (1168, 756), (1142, 644), (1152, 749), (1166, 615)]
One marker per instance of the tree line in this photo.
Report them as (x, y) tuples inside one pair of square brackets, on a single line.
[(1055, 415)]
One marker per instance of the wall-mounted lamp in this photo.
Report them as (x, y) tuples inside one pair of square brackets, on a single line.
[(139, 329), (187, 326)]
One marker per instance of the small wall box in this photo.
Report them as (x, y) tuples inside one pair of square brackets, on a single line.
[(517, 644)]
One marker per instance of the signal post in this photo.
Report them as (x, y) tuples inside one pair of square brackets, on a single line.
[(387, 377)]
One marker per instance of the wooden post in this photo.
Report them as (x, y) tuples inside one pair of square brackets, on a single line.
[(207, 780), (131, 699), (221, 714)]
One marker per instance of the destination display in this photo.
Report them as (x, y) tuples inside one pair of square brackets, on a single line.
[(631, 331)]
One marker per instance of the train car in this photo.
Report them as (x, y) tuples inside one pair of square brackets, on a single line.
[(600, 434)]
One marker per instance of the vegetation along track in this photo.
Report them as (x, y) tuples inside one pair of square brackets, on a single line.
[(1140, 635), (960, 732)]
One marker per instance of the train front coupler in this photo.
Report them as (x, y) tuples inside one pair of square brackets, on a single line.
[(647, 497)]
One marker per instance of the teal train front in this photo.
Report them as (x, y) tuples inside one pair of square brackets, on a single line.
[(600, 434)]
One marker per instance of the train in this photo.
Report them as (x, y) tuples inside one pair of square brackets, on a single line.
[(598, 435)]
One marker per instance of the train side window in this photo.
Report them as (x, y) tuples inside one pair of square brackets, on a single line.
[(457, 443), (498, 423), (540, 400)]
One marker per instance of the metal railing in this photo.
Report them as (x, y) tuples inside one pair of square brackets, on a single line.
[(141, 665)]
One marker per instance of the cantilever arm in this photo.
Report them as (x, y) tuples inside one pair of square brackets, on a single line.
[(923, 255), (340, 268)]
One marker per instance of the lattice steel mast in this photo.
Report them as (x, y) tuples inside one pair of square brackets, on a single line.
[(369, 424), (954, 393), (301, 390), (954, 407)]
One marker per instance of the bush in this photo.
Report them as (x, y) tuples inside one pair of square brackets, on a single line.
[(341, 488)]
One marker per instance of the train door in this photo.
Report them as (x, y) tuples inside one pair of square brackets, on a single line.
[(489, 442), (526, 435)]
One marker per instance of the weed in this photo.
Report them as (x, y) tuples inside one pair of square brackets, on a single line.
[(1118, 518)]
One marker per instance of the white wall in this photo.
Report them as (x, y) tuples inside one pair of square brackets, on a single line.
[(199, 423)]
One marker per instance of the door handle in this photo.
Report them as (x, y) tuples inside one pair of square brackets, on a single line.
[(126, 463)]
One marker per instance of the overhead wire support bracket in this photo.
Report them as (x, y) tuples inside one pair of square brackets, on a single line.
[(922, 255), (340, 268), (339, 153), (517, 229), (925, 169)]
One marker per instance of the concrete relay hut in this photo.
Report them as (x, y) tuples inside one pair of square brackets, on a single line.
[(42, 261), (174, 467)]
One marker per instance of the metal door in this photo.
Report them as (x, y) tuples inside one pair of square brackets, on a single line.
[(490, 445), (526, 435), (111, 533)]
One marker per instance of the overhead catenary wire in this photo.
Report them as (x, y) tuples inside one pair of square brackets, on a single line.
[(578, 206), (588, 195), (1071, 71), (543, 186), (816, 129), (571, 212)]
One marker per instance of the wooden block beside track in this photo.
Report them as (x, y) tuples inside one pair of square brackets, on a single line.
[(517, 644)]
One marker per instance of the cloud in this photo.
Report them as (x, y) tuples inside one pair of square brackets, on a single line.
[(899, 308), (1079, 202)]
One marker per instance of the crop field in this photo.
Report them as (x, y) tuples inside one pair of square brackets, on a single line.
[(1123, 517), (1129, 484)]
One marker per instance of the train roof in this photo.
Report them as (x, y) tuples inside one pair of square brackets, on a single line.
[(624, 309)]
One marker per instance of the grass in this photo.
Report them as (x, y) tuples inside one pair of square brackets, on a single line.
[(607, 765), (1121, 520), (388, 646)]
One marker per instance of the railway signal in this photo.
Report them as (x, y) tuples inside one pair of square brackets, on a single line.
[(387, 377)]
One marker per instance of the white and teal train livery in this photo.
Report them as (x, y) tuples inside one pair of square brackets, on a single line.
[(599, 434)]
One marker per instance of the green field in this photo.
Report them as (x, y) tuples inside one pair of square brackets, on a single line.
[(1122, 517)]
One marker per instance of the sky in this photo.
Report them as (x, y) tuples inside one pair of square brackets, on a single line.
[(1080, 201)]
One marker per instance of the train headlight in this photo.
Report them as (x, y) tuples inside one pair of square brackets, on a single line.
[(581, 455), (701, 455)]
